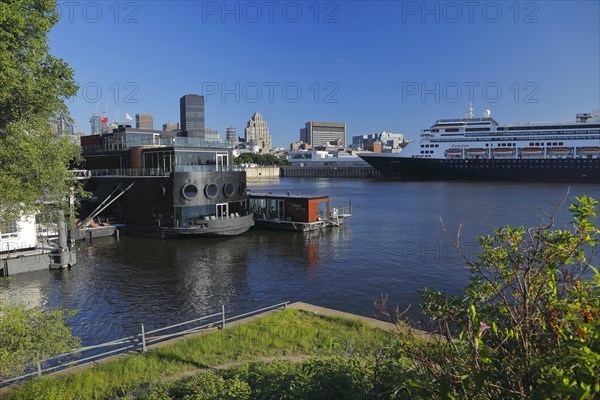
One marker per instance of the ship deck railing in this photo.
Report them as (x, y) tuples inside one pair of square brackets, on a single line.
[(174, 142), (152, 172), (341, 212), (194, 222)]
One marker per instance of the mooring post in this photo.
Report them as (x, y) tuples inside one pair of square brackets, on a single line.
[(143, 339), (223, 316)]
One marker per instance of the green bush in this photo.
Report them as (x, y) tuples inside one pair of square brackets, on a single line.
[(205, 386), (528, 323), (337, 378), (31, 335)]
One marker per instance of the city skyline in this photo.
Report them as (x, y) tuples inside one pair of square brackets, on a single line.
[(387, 66)]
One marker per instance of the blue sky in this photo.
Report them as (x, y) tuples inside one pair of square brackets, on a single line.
[(394, 66)]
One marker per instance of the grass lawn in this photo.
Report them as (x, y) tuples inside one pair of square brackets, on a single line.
[(285, 333)]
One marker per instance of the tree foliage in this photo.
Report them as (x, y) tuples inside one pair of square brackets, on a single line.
[(33, 87), (528, 325), (259, 159), (29, 335)]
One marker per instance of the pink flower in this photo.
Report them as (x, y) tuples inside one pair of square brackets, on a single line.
[(483, 327)]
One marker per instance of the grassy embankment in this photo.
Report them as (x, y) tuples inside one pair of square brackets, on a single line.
[(285, 333)]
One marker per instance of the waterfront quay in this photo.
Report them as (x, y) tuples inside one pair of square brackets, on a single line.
[(338, 172)]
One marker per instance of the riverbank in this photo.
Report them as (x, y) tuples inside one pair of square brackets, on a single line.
[(296, 334)]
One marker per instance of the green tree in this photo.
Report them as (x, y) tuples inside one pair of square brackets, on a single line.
[(33, 86), (29, 335), (528, 325), (259, 159)]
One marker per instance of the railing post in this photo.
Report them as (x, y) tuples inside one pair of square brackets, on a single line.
[(39, 368), (143, 339), (223, 316)]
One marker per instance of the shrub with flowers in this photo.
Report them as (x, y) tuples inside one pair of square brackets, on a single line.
[(527, 326)]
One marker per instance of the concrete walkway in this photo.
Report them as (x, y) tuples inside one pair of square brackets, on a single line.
[(328, 312)]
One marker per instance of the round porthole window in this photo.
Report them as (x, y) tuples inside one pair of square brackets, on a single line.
[(211, 190), (242, 188), (228, 189), (189, 191)]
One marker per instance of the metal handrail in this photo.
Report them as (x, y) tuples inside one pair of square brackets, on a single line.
[(183, 323), (180, 333), (284, 305), (136, 341)]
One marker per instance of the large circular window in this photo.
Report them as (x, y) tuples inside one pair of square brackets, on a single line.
[(228, 189), (189, 191), (211, 190), (242, 188)]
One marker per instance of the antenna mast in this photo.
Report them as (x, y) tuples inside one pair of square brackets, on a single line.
[(470, 112)]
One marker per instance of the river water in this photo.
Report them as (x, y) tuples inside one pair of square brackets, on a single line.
[(392, 245)]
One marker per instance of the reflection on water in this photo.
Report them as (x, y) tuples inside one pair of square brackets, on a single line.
[(393, 245)]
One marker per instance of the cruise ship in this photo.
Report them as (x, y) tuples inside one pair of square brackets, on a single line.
[(473, 148)]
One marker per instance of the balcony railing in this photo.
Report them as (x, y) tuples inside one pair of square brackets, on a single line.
[(177, 142), (153, 172), (208, 168)]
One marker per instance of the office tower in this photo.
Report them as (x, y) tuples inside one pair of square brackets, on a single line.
[(212, 135), (231, 135), (322, 133), (170, 126), (96, 124), (191, 111), (144, 121), (257, 134)]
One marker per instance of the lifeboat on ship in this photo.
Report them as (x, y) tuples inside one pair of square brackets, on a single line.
[(475, 153), (453, 153), (532, 152), (502, 152), (588, 151), (560, 151)]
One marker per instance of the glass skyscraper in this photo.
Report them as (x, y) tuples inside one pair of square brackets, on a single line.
[(96, 124), (191, 112)]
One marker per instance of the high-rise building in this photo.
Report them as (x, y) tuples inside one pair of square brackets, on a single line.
[(322, 133), (231, 135), (144, 121), (257, 134), (191, 112), (96, 124), (170, 126), (387, 139), (212, 135), (104, 123)]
